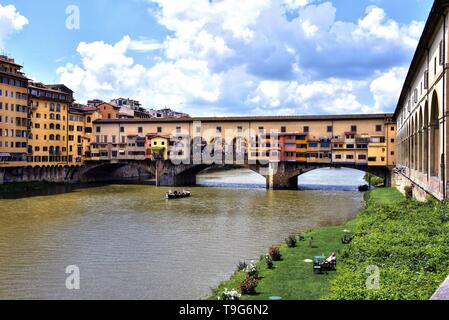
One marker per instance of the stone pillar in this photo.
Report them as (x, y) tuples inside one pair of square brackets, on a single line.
[(388, 180), (281, 176), (281, 181)]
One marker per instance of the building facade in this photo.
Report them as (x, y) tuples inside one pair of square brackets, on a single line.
[(48, 141), (14, 125), (365, 140), (421, 112)]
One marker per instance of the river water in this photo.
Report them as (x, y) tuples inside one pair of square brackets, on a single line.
[(130, 243)]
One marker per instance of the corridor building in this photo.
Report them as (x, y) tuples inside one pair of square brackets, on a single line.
[(421, 112)]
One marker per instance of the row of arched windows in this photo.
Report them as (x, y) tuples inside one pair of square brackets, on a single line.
[(419, 144)]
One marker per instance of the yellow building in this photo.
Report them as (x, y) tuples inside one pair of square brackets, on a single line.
[(75, 136), (13, 113), (48, 140), (157, 147)]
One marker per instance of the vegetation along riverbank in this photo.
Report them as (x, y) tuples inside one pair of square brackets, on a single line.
[(403, 241)]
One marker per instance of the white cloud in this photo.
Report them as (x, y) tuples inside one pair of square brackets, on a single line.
[(240, 57), (11, 21), (145, 45), (386, 88), (318, 97)]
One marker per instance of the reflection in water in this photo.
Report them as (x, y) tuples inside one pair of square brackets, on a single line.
[(131, 243)]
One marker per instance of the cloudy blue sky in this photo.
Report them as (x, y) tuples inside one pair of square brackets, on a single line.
[(221, 57)]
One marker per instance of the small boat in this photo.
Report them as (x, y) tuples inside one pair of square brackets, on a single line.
[(177, 195)]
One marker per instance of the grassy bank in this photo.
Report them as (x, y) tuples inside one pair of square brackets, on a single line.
[(406, 240)]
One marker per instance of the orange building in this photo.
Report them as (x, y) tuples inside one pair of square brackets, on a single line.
[(108, 111)]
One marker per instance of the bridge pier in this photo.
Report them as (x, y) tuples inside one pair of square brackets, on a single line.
[(281, 182), (170, 179), (284, 175)]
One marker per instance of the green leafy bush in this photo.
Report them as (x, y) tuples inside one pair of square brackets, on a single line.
[(275, 253), (407, 241), (291, 241)]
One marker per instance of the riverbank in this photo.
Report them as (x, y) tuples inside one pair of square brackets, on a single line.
[(22, 187), (406, 240)]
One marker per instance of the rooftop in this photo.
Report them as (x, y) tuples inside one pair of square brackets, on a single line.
[(421, 51), (383, 116)]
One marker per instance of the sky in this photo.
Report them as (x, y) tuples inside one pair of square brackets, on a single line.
[(221, 57)]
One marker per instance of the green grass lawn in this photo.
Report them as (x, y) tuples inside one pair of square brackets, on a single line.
[(294, 279), (384, 196)]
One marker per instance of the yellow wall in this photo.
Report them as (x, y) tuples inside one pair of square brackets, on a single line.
[(13, 112), (48, 131)]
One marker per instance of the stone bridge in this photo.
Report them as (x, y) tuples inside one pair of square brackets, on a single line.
[(278, 175)]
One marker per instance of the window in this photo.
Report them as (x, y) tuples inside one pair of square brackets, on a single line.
[(378, 128), (122, 129), (140, 130), (330, 129), (353, 128), (362, 157), (218, 130), (442, 58), (159, 129), (349, 157), (178, 129), (435, 66), (338, 156), (283, 129), (392, 140), (98, 129), (415, 96), (392, 128), (306, 129)]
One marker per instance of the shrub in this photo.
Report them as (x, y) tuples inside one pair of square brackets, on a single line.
[(269, 262), (251, 270), (248, 285), (301, 237), (275, 253), (228, 295), (291, 241), (241, 266)]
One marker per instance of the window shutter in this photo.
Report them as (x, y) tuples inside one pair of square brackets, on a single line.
[(426, 79), (441, 52)]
